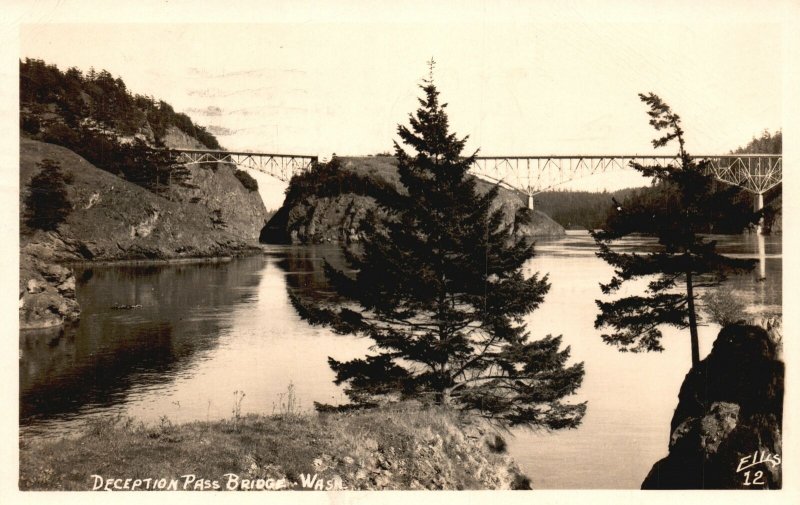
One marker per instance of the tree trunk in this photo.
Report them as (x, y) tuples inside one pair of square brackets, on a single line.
[(444, 397), (692, 320)]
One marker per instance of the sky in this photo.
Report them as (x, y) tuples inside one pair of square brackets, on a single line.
[(546, 81)]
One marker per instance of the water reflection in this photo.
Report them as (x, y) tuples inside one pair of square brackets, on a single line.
[(304, 270), (202, 332), (206, 330), (148, 351), (95, 365), (304, 267)]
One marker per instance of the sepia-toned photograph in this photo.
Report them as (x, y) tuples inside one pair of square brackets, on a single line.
[(455, 246)]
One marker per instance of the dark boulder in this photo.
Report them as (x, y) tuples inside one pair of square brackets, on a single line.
[(726, 430)]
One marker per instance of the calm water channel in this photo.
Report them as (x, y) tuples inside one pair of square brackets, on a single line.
[(206, 330)]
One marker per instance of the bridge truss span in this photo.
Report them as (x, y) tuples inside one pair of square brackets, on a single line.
[(756, 173), (280, 166)]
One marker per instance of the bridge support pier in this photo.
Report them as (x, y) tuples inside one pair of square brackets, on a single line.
[(530, 201), (758, 207)]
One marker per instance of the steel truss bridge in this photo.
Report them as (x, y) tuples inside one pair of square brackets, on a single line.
[(530, 175), (280, 166), (756, 173)]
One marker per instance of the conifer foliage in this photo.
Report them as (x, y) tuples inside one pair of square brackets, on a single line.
[(684, 260), (439, 287), (90, 114), (47, 204)]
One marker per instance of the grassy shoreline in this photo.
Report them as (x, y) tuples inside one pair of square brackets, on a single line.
[(404, 446)]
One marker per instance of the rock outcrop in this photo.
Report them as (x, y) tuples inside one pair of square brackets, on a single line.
[(315, 218), (176, 139), (211, 214), (726, 430), (415, 453), (46, 293), (111, 219)]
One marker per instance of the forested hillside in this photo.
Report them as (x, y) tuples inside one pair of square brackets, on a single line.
[(767, 143), (96, 116), (578, 210), (589, 210), (140, 204), (48, 95)]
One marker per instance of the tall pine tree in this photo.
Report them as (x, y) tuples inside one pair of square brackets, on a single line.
[(686, 203), (440, 290)]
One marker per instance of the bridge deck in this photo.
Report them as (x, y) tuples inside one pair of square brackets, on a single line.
[(242, 153)]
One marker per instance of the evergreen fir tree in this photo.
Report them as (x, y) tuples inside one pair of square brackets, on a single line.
[(440, 290), (684, 205), (47, 205)]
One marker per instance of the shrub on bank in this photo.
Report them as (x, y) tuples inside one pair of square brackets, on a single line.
[(247, 180)]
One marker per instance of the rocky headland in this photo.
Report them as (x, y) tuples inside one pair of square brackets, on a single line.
[(726, 430), (334, 211), (211, 214)]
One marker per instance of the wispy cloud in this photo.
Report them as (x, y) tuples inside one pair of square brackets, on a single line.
[(223, 93), (211, 110), (257, 109), (220, 130), (201, 72)]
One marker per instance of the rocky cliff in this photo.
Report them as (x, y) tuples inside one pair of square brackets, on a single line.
[(210, 214), (726, 430), (177, 139), (332, 215)]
